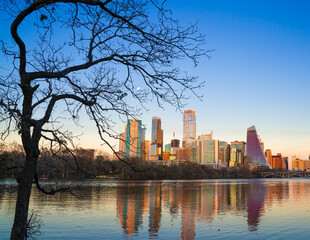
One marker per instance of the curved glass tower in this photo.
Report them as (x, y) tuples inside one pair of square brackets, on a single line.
[(254, 151)]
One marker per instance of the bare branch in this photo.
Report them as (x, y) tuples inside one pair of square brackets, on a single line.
[(105, 58)]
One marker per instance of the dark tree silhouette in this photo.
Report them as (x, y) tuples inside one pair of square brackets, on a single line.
[(99, 57)]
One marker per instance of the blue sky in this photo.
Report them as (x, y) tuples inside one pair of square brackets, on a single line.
[(259, 74)]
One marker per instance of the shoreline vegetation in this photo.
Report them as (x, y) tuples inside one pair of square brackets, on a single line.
[(186, 171), (102, 167)]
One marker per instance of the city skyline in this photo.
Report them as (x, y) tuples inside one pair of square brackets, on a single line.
[(96, 94), (257, 75), (204, 149)]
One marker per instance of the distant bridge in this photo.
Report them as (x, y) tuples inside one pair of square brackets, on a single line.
[(286, 174)]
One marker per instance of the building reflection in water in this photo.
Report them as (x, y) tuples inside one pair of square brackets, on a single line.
[(198, 202), (255, 204), (189, 206), (188, 210), (129, 208), (155, 201)]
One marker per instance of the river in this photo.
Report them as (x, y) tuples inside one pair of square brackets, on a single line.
[(203, 209)]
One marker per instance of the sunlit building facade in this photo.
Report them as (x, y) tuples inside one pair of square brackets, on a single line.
[(224, 153), (307, 165), (208, 152), (134, 138), (278, 162), (261, 143), (122, 141), (156, 139), (147, 150), (166, 155), (254, 151), (168, 148), (188, 142), (299, 164), (268, 155), (194, 154), (237, 153), (184, 154), (189, 126), (208, 136)]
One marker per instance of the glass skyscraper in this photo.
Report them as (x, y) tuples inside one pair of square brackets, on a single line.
[(156, 139), (224, 153), (189, 128), (157, 132), (237, 153), (208, 152), (189, 124), (135, 135), (254, 151)]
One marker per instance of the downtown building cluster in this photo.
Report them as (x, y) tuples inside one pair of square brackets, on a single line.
[(203, 149)]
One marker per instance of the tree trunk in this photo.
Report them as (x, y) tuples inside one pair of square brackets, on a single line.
[(19, 230)]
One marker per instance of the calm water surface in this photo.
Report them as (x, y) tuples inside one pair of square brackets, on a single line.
[(206, 209)]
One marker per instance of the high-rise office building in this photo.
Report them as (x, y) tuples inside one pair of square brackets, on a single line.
[(298, 164), (224, 153), (194, 154), (189, 127), (168, 148), (261, 143), (167, 152), (268, 155), (122, 142), (156, 139), (307, 164), (184, 154), (285, 159), (147, 150), (134, 134), (175, 144), (208, 152), (254, 151), (237, 153), (206, 136), (157, 136), (189, 142), (278, 162), (294, 163)]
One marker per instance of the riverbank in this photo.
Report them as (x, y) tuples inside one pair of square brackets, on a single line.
[(148, 171)]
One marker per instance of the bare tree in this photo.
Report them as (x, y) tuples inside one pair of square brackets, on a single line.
[(34, 224), (99, 57)]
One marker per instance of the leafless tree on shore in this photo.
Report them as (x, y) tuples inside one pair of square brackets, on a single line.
[(99, 57)]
